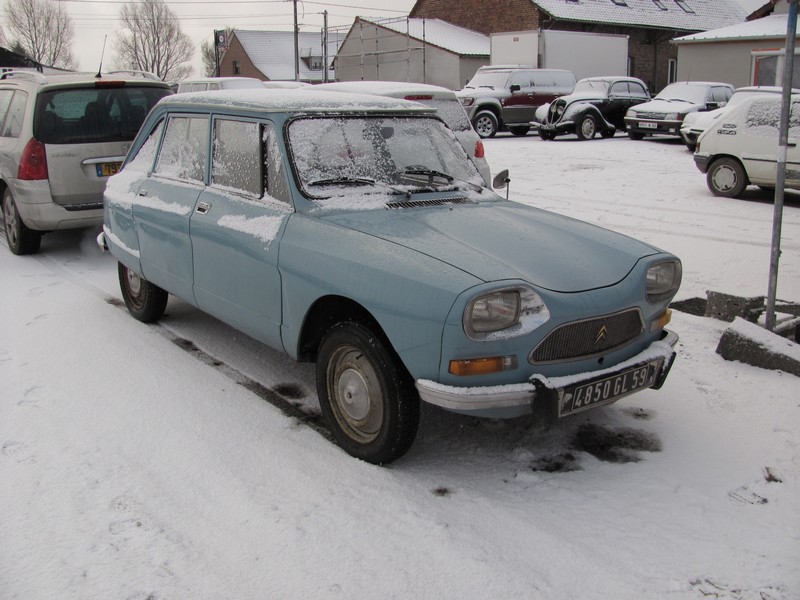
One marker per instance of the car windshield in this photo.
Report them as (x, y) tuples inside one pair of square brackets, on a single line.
[(586, 85), (686, 92), (93, 114), (336, 156), (490, 79)]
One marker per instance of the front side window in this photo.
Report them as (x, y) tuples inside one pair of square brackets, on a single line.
[(12, 125), (184, 152), (362, 155), (236, 162)]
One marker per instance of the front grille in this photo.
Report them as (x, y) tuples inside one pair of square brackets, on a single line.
[(651, 115), (421, 203), (555, 111), (582, 339)]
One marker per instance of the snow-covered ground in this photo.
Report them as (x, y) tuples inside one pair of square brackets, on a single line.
[(132, 469)]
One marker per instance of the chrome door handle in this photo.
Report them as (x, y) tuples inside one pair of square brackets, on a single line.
[(203, 207)]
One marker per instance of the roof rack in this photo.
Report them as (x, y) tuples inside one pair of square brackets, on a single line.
[(29, 75), (145, 74)]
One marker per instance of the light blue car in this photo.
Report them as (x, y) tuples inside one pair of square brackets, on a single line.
[(353, 231)]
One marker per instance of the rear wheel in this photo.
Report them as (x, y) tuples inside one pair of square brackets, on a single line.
[(485, 124), (726, 177), (608, 133), (366, 395), (519, 130), (145, 301), (635, 135), (586, 128), (21, 240)]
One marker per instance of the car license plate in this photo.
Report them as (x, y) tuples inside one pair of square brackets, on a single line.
[(108, 169), (644, 125), (608, 389)]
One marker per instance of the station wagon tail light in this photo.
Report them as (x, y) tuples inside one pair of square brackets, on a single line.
[(33, 162), (479, 151), (419, 97), (663, 280), (504, 313)]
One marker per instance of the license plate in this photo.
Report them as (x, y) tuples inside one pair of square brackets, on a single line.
[(108, 169), (608, 389), (643, 125)]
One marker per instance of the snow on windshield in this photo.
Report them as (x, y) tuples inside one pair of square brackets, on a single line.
[(357, 155), (696, 94), (590, 86)]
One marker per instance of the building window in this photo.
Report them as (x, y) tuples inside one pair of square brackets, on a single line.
[(237, 67), (684, 6), (672, 70), (659, 4)]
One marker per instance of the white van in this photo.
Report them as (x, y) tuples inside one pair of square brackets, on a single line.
[(741, 147), (218, 83), (442, 99)]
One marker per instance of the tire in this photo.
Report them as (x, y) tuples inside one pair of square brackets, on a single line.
[(519, 130), (547, 135), (635, 135), (145, 301), (366, 395), (727, 178), (485, 124), (608, 133), (586, 128), (21, 240), (692, 146)]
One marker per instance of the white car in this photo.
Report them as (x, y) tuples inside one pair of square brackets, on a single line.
[(741, 147), (442, 99), (697, 122), (218, 83)]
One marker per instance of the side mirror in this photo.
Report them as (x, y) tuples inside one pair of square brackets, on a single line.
[(501, 180), (514, 88)]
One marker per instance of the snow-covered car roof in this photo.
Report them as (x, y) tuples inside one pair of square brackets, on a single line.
[(395, 89), (295, 100)]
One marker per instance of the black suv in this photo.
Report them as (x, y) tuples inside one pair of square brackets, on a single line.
[(598, 104), (505, 98)]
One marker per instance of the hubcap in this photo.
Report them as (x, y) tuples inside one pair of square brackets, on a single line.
[(724, 178), (587, 128), (356, 394), (484, 126), (10, 218), (134, 283)]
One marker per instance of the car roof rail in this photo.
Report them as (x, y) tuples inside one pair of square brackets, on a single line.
[(29, 75), (144, 74)]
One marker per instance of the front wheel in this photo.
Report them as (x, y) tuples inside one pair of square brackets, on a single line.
[(366, 395), (635, 135), (485, 124), (726, 178), (21, 240), (586, 127), (547, 135), (145, 301), (608, 133)]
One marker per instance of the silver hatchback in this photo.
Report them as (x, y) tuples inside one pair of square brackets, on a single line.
[(61, 137)]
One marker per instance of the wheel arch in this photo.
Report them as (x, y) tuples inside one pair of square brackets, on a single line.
[(492, 107)]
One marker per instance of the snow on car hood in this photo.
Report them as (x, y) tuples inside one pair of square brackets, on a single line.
[(666, 106), (505, 240)]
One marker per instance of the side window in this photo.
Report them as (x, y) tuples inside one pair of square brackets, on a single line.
[(619, 89), (794, 121), (236, 161), (5, 101), (213, 86), (523, 80), (637, 90), (199, 87), (143, 160), (720, 95), (12, 126), (277, 184), (763, 117), (184, 152)]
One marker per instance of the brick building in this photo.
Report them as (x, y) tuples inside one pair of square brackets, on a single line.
[(649, 24)]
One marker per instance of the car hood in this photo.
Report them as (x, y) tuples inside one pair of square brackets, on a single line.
[(481, 92), (505, 240), (667, 106)]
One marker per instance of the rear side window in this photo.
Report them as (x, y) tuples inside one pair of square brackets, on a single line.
[(12, 124), (451, 112), (236, 162), (184, 151), (5, 100), (92, 115)]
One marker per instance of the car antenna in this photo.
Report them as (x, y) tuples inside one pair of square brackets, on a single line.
[(102, 53)]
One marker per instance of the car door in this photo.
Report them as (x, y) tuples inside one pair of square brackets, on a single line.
[(793, 150), (521, 104), (166, 200), (236, 228), (619, 101)]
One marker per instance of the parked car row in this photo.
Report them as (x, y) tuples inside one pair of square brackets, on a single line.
[(354, 231)]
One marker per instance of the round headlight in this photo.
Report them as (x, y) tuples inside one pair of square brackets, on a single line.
[(504, 313)]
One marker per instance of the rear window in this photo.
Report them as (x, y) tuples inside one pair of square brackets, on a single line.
[(451, 112), (91, 115)]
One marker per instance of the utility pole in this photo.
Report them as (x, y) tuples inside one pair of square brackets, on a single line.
[(325, 46), (296, 45), (780, 179)]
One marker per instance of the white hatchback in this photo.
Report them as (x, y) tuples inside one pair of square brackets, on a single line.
[(741, 147)]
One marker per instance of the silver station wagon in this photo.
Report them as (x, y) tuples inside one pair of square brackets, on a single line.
[(353, 231)]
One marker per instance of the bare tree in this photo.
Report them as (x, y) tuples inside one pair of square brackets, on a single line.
[(43, 29), (153, 41)]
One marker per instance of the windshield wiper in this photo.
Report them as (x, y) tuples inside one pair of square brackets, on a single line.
[(358, 181), (431, 173)]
